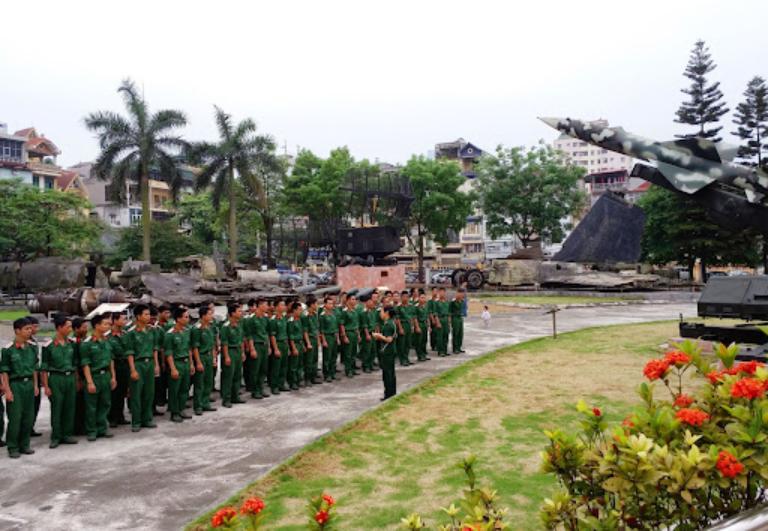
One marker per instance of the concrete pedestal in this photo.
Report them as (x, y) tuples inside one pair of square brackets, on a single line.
[(357, 276)]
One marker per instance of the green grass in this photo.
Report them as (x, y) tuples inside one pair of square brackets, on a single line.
[(400, 457), (544, 300), (12, 315)]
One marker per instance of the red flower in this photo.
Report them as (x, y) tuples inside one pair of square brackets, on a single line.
[(683, 400), (677, 358), (715, 377), (252, 506), (329, 500), (728, 465), (627, 422), (596, 412), (656, 369), (748, 367), (321, 517), (747, 388), (223, 516), (694, 417)]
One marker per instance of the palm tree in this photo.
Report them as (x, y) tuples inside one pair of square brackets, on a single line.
[(239, 154), (132, 146)]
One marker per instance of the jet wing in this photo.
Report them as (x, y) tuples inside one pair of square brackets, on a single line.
[(684, 180)]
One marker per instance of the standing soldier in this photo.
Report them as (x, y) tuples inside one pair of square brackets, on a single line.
[(329, 338), (18, 371), (422, 324), (311, 326), (258, 347), (296, 345), (433, 321), (405, 325), (387, 337), (143, 365), (248, 365), (441, 312), (80, 329), (99, 370), (38, 397), (348, 328), (178, 357), (203, 343), (456, 310), (163, 324), (278, 335), (370, 345), (59, 374), (232, 355), (122, 371)]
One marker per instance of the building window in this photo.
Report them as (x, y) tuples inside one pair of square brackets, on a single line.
[(474, 248), (36, 181), (473, 228), (49, 183)]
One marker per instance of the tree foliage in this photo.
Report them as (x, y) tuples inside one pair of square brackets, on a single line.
[(131, 146), (751, 119), (528, 192), (168, 244), (705, 106), (50, 223)]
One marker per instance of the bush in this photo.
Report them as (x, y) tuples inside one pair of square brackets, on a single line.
[(686, 461)]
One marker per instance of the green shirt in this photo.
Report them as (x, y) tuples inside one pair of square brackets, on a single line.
[(441, 309), (141, 344), (388, 329), (405, 314), (329, 325), (311, 324), (232, 335), (96, 354), (18, 361), (362, 318), (278, 327), (431, 306), (176, 344), (203, 339), (259, 329), (295, 329), (119, 346), (350, 320), (422, 314), (58, 357), (455, 308), (372, 316)]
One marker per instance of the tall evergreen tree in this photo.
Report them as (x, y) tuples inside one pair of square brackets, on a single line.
[(705, 106), (751, 118)]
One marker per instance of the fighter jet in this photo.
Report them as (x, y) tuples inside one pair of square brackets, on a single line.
[(735, 195)]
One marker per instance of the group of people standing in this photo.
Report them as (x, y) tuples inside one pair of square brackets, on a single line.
[(91, 370)]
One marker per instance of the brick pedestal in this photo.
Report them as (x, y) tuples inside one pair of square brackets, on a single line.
[(356, 276)]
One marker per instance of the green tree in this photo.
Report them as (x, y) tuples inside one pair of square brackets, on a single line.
[(438, 206), (50, 223), (168, 244), (751, 118), (528, 192), (131, 147), (196, 212), (677, 229), (267, 200), (238, 155), (705, 105)]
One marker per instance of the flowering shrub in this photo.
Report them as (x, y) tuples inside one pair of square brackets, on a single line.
[(684, 462), (322, 513)]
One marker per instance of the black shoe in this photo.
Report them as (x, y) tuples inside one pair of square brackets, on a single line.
[(14, 455), (27, 451), (107, 435), (226, 404), (135, 429), (34, 433), (54, 444), (209, 408), (275, 391), (150, 425), (2, 444), (112, 424), (123, 422), (294, 387), (185, 416), (236, 401), (91, 438), (69, 440), (284, 389), (176, 418), (198, 412), (427, 358), (156, 413)]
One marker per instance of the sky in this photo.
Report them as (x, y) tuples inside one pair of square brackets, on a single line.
[(387, 79)]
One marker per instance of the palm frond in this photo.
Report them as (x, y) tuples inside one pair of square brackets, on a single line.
[(166, 120), (110, 155), (244, 129), (169, 169), (135, 103), (201, 152), (172, 142), (125, 171), (224, 124), (208, 171)]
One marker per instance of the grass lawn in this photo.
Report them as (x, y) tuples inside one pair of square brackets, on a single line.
[(544, 300), (12, 315), (400, 457)]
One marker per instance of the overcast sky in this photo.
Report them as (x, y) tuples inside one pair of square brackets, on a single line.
[(388, 79)]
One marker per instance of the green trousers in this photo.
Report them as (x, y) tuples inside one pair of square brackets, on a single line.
[(283, 362), (142, 397), (231, 376), (293, 363), (203, 383), (367, 352), (329, 357), (420, 342), (457, 333), (442, 337), (350, 352), (21, 414), (62, 405), (310, 361), (255, 371), (388, 354), (403, 345), (97, 404), (120, 392), (178, 389), (433, 333)]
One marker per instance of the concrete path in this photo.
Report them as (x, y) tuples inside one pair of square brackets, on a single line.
[(163, 478)]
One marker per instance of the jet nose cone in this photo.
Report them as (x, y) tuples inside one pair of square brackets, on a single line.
[(553, 122)]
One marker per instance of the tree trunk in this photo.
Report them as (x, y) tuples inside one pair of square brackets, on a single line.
[(703, 270), (691, 266), (146, 217), (765, 254), (421, 259), (268, 226), (232, 217)]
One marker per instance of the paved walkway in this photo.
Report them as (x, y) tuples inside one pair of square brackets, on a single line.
[(163, 478)]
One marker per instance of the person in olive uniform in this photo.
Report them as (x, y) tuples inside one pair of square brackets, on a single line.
[(387, 337), (369, 344), (203, 343), (38, 397), (441, 314), (143, 367), (99, 371), (278, 335), (178, 357), (433, 321), (18, 370), (311, 324), (122, 371), (349, 325), (296, 345), (456, 311), (232, 354), (256, 328), (422, 326), (329, 338), (404, 323), (80, 333), (58, 369), (162, 325)]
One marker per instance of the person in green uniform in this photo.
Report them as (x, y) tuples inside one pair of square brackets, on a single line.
[(232, 355), (311, 325), (349, 326), (178, 358), (443, 317), (421, 315), (143, 367), (296, 345), (248, 365), (203, 344), (162, 325), (58, 369), (456, 311), (387, 338), (278, 336), (329, 338), (99, 370), (39, 396), (122, 371), (80, 333), (433, 321), (405, 327), (368, 322), (258, 347), (18, 371)]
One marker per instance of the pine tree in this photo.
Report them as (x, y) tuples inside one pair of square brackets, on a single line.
[(751, 117), (705, 105)]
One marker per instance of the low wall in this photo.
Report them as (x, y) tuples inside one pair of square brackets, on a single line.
[(357, 276)]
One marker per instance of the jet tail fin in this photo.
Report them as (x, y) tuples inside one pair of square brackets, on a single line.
[(684, 180)]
